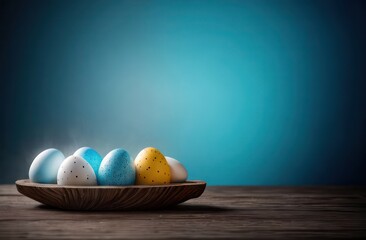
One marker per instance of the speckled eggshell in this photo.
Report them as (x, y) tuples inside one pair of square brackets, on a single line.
[(45, 166), (75, 171), (117, 169), (151, 167), (91, 156), (177, 170)]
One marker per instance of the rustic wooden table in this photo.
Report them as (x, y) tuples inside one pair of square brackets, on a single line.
[(220, 213)]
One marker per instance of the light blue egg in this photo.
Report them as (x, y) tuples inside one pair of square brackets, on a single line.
[(117, 168), (91, 156), (45, 166)]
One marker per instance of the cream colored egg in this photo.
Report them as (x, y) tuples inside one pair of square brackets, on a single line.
[(177, 171)]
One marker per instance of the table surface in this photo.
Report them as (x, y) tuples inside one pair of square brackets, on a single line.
[(220, 213)]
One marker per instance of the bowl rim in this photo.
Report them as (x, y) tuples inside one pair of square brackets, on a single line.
[(29, 183)]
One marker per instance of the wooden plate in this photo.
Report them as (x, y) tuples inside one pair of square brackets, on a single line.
[(111, 197)]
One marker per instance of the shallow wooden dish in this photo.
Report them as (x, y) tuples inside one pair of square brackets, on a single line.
[(111, 197)]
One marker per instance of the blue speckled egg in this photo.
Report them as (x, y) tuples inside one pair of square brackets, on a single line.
[(117, 168), (45, 166), (91, 156)]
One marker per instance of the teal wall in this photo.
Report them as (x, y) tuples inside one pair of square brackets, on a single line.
[(241, 92)]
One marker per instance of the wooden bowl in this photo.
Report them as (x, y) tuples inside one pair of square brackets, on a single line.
[(111, 197)]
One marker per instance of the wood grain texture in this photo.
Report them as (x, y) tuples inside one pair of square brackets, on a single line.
[(220, 213), (138, 197)]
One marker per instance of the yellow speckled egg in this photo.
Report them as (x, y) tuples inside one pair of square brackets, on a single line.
[(151, 167)]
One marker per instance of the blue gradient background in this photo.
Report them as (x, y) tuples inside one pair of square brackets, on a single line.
[(242, 92)]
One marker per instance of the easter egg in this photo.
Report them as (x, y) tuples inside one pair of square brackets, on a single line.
[(45, 166), (177, 170), (91, 156), (117, 168), (75, 171), (151, 167)]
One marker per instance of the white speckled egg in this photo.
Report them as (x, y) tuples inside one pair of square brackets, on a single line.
[(45, 166), (178, 173), (74, 170)]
